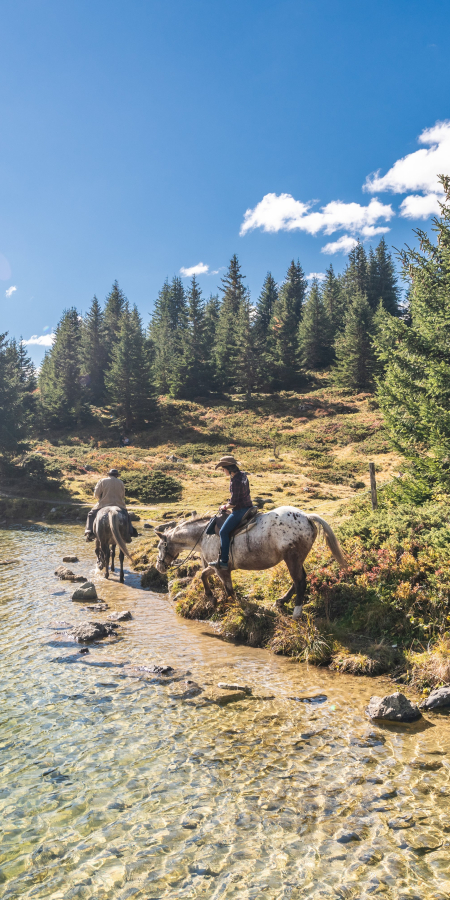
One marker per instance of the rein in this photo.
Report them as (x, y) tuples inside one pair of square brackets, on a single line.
[(176, 565)]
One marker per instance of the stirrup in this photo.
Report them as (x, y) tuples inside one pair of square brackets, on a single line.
[(218, 564)]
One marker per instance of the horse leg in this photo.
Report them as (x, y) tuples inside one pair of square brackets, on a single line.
[(282, 600), (121, 559), (99, 554), (208, 592), (225, 577), (113, 554), (106, 554), (294, 563)]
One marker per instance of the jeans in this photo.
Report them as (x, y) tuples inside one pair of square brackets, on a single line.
[(228, 526)]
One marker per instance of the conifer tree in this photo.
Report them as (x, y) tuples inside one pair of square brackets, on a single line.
[(356, 275), (414, 393), (286, 317), (128, 378), (247, 361), (60, 375), (382, 281), (314, 331), (226, 348), (160, 335), (93, 352), (192, 376), (264, 309), (334, 302), (114, 306), (17, 383), (353, 347)]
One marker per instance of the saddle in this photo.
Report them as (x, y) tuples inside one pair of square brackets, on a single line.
[(247, 522)]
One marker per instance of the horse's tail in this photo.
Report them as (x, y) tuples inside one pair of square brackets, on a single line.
[(331, 540), (115, 531)]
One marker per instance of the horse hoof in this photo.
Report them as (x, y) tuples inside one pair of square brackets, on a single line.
[(106, 574), (297, 612)]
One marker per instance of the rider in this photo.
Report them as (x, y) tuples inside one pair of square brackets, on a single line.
[(239, 503), (110, 491)]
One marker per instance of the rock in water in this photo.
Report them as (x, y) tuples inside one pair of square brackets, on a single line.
[(225, 686), (394, 707), (438, 698), (87, 592), (120, 616), (67, 575), (70, 559), (91, 631)]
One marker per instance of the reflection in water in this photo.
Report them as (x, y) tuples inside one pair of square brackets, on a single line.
[(112, 787)]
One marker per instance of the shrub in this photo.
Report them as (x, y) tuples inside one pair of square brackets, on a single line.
[(154, 487)]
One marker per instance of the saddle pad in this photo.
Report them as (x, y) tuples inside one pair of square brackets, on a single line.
[(247, 522)]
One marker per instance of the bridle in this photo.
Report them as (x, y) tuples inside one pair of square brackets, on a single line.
[(176, 565)]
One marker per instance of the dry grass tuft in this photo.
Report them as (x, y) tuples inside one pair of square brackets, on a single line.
[(431, 667), (300, 639)]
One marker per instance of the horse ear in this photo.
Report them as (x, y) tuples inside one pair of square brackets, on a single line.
[(161, 529)]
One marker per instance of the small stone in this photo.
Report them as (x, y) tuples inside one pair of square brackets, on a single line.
[(406, 821), (120, 616), (438, 699), (345, 837), (87, 592), (222, 697), (71, 559), (91, 631), (162, 670), (234, 687), (97, 607), (394, 707), (84, 650)]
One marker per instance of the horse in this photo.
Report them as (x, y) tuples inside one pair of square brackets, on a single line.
[(284, 533), (111, 530)]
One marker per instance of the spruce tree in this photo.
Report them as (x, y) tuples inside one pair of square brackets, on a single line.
[(334, 301), (265, 307), (128, 378), (353, 347), (60, 375), (314, 331), (114, 305), (356, 275), (160, 336), (17, 384), (193, 366), (414, 393), (94, 352), (382, 281), (226, 347), (287, 312), (247, 362)]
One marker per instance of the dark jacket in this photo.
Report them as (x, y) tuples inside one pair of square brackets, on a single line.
[(240, 491)]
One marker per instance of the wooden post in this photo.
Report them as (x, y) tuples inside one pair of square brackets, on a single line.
[(373, 486)]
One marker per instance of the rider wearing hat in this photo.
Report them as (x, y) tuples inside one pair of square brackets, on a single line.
[(239, 503), (110, 491)]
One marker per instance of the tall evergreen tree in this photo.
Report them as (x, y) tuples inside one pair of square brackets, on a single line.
[(128, 378), (415, 391), (382, 281), (354, 351), (167, 332), (94, 352), (334, 301), (264, 308), (356, 275), (247, 361), (17, 381), (60, 375), (314, 331), (226, 348), (114, 305), (192, 376), (287, 312)]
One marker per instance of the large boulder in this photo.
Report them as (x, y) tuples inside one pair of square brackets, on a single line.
[(394, 707), (91, 631), (86, 592), (438, 699)]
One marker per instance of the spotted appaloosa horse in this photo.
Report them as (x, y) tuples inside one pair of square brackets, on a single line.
[(285, 533), (111, 530)]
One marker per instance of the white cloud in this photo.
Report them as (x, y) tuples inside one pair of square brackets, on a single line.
[(199, 269), (283, 213), (343, 245), (418, 171), (420, 206), (370, 231), (319, 275), (9, 292), (43, 340)]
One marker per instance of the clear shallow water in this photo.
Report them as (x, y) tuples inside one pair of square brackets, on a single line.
[(112, 788)]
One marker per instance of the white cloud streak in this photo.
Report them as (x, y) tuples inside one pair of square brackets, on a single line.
[(319, 275), (418, 171), (42, 340), (420, 206), (283, 213), (9, 292), (343, 245), (199, 269)]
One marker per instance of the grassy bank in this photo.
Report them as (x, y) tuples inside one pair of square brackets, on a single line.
[(387, 613)]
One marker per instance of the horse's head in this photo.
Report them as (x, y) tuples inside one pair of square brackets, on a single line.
[(167, 549)]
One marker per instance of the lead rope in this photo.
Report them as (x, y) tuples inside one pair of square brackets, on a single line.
[(176, 565)]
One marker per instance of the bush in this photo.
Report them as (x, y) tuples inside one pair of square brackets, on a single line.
[(154, 487)]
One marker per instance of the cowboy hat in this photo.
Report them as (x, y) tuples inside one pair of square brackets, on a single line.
[(226, 461), (114, 473)]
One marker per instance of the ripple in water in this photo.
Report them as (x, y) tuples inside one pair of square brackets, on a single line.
[(111, 787)]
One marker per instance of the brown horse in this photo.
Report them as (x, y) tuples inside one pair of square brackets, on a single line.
[(111, 531)]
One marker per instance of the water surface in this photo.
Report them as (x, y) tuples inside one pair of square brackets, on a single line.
[(112, 787)]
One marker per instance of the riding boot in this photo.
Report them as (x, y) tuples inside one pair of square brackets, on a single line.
[(89, 530)]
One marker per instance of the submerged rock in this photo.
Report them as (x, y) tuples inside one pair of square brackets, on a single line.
[(91, 631), (87, 592), (120, 617), (234, 687), (70, 559), (438, 699), (223, 697), (66, 574), (394, 707)]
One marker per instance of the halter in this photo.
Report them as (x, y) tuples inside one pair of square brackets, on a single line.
[(173, 564)]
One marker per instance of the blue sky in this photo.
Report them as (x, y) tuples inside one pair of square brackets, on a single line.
[(145, 137)]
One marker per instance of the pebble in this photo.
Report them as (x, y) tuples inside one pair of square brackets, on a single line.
[(225, 686), (120, 616), (345, 837), (71, 559)]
